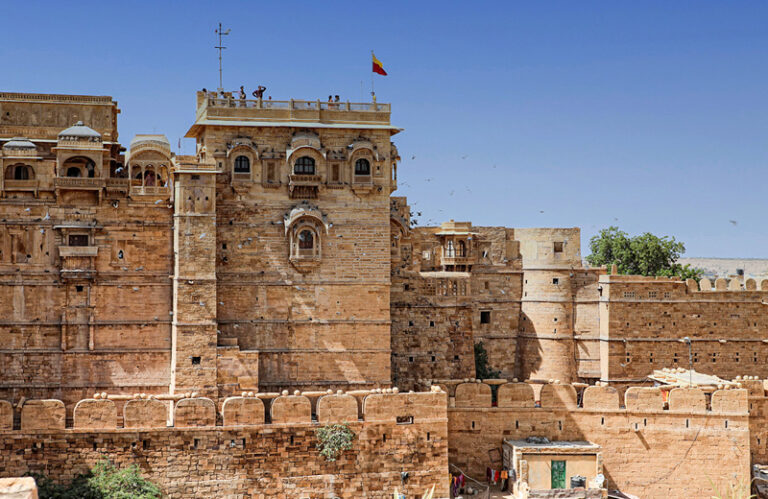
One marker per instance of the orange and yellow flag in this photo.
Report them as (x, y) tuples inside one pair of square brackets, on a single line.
[(378, 67)]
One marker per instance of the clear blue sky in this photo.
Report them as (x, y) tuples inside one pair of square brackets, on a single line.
[(649, 115)]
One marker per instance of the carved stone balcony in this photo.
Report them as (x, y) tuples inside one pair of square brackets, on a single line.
[(457, 260), (78, 183), (78, 251), (121, 185), (77, 262), (304, 186), (362, 183), (31, 185)]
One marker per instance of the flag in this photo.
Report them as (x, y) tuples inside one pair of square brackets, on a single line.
[(378, 67)]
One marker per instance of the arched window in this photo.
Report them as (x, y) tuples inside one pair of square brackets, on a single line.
[(362, 167), (21, 172), (306, 240), (242, 164), (79, 166), (304, 166)]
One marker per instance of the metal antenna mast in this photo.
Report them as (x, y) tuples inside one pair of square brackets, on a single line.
[(221, 47)]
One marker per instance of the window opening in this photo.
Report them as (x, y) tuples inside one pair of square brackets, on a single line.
[(362, 167), (78, 240), (242, 164), (485, 317), (304, 166)]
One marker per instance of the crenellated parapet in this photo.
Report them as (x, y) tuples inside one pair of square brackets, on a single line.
[(96, 414), (598, 398)]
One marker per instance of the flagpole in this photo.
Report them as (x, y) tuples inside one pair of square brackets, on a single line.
[(373, 92)]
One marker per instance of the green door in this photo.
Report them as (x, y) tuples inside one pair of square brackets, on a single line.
[(558, 474)]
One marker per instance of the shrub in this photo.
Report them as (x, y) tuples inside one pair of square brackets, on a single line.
[(334, 439), (104, 481)]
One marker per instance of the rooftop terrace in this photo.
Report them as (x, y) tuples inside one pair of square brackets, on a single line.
[(229, 110)]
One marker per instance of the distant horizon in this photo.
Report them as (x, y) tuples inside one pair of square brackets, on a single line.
[(652, 116)]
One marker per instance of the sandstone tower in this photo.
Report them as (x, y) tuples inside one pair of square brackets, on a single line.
[(302, 255), (194, 339), (546, 343)]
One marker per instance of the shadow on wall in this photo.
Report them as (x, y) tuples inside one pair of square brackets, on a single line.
[(529, 349)]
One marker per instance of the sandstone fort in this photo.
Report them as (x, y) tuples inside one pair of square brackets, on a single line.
[(202, 315)]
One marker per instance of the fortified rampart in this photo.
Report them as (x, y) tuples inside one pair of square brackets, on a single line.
[(647, 450), (266, 446), (643, 323)]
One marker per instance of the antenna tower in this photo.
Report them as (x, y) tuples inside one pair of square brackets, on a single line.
[(221, 47)]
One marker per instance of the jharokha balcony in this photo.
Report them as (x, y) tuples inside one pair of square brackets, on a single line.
[(304, 186)]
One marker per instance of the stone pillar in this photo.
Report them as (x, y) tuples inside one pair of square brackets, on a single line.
[(193, 357)]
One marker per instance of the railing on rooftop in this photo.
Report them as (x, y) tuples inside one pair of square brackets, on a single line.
[(296, 105)]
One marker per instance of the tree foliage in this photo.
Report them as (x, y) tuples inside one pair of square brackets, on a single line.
[(104, 481), (645, 254), (333, 439), (482, 369)]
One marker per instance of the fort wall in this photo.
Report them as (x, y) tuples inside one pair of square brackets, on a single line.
[(647, 450), (644, 320), (394, 433)]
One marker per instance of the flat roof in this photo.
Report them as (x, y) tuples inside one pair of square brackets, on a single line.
[(195, 129), (554, 445)]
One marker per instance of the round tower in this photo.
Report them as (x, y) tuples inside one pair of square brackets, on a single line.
[(545, 339)]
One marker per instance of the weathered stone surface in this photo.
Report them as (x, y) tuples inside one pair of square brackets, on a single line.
[(515, 395), (291, 409), (145, 413), (197, 411), (643, 399), (6, 415), (18, 488), (730, 401), (43, 415), (558, 396), (95, 414), (473, 395), (602, 398), (242, 411), (336, 408), (688, 400), (419, 406)]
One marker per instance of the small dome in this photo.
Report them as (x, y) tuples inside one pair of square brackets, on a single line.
[(19, 143), (158, 139), (80, 130)]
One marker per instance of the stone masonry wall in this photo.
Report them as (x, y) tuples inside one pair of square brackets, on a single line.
[(647, 451), (643, 321), (247, 458)]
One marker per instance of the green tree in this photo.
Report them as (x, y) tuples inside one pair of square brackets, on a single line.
[(645, 254), (482, 369)]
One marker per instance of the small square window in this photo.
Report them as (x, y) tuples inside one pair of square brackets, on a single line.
[(195, 361), (555, 280), (431, 323), (79, 289), (558, 246), (485, 317)]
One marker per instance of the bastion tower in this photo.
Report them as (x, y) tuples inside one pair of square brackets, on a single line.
[(546, 337), (302, 246)]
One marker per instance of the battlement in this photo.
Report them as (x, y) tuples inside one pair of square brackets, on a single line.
[(148, 412), (578, 398), (671, 287)]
